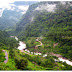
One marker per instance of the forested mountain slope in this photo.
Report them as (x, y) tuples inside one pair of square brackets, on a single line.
[(33, 11), (7, 46), (46, 32), (55, 25), (39, 21), (9, 19), (10, 15)]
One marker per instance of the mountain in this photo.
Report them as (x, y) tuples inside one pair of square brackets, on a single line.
[(52, 21), (33, 11), (45, 30), (11, 15), (9, 19), (41, 17)]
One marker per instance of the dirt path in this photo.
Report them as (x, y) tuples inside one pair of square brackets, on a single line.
[(28, 52), (6, 56), (40, 43)]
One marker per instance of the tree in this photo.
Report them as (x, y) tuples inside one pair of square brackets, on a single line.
[(2, 56), (22, 64)]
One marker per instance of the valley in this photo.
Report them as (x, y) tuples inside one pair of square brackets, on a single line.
[(23, 46), (36, 36)]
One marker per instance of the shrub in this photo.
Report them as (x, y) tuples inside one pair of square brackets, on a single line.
[(22, 63)]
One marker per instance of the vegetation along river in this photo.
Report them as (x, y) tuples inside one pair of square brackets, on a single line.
[(22, 46)]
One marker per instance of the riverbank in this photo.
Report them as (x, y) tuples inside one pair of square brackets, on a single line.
[(22, 46)]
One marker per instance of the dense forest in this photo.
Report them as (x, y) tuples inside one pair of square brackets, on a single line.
[(8, 44), (55, 26), (9, 19), (44, 22), (44, 32)]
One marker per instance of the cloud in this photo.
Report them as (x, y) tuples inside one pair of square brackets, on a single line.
[(47, 7), (23, 7), (5, 3)]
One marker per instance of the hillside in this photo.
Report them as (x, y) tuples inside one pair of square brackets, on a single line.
[(33, 11), (10, 15), (9, 19), (55, 26), (7, 45), (40, 22), (40, 40)]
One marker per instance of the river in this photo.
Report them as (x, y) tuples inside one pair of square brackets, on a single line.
[(22, 46), (65, 60)]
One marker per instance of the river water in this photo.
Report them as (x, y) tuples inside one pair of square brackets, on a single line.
[(22, 46), (66, 60)]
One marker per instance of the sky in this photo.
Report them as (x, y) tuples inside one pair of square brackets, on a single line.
[(5, 3)]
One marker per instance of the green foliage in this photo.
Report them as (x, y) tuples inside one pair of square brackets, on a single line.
[(10, 65), (7, 43), (9, 19), (55, 27), (2, 56), (12, 53), (46, 23), (22, 63), (66, 67)]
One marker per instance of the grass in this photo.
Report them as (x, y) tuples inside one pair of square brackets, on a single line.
[(31, 66), (10, 65)]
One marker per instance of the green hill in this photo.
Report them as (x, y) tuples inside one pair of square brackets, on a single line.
[(55, 26), (44, 22)]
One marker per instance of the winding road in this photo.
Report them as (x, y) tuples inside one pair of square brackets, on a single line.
[(40, 43), (6, 56)]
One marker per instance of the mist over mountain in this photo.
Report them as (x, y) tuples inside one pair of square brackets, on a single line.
[(34, 10), (10, 16), (9, 19), (41, 16), (36, 35)]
